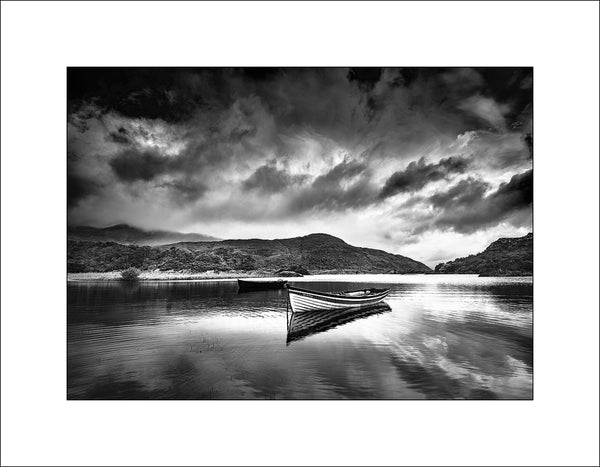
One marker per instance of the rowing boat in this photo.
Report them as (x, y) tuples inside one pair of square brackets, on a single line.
[(249, 285), (302, 300)]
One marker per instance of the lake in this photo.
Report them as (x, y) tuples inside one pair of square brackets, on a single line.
[(438, 337)]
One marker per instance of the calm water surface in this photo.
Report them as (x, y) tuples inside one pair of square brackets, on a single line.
[(440, 337)]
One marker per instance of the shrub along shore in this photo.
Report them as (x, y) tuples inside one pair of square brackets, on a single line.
[(162, 275), (207, 275)]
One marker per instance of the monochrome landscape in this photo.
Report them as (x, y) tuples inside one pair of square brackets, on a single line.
[(418, 181)]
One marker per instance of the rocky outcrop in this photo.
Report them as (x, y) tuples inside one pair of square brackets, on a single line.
[(504, 257)]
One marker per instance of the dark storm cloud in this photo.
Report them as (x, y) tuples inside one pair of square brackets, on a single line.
[(465, 208), (214, 150), (477, 97), (151, 167), (159, 171), (345, 186), (509, 84), (81, 112), (132, 165), (174, 95), (261, 73), (294, 95), (528, 138), (517, 193), (366, 78), (344, 170), (191, 143), (79, 188), (451, 100), (120, 136), (135, 92), (464, 193), (269, 179), (418, 174), (186, 190)]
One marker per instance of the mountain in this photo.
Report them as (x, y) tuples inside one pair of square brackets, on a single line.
[(312, 253), (504, 257), (123, 233)]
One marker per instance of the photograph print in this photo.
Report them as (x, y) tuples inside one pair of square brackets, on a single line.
[(300, 233)]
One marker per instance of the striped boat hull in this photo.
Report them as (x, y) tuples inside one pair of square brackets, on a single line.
[(302, 300)]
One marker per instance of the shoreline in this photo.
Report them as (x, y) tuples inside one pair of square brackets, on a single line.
[(190, 276), (207, 275), (231, 275), (160, 276)]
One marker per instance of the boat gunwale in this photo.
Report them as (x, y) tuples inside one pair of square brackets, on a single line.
[(339, 295)]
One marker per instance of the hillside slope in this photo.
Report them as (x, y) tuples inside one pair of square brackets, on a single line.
[(126, 234), (504, 257), (315, 253)]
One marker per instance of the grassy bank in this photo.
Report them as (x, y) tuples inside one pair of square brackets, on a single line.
[(185, 275), (159, 275)]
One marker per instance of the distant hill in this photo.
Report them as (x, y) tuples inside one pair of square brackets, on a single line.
[(126, 234), (504, 257), (313, 253)]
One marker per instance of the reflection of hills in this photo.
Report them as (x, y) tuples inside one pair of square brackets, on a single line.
[(307, 323)]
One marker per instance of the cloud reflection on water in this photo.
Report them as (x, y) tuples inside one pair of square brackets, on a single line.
[(467, 339)]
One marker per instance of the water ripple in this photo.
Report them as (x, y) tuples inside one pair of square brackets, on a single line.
[(439, 337)]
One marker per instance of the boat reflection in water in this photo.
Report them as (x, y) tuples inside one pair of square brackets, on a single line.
[(307, 323)]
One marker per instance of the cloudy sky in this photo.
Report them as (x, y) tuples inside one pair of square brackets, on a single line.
[(430, 163)]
